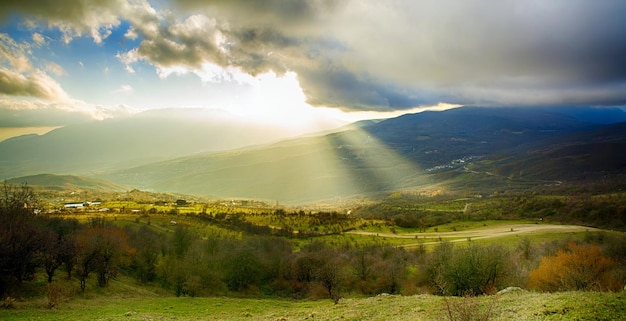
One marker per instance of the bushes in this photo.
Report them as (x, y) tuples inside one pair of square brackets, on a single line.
[(473, 269), (243, 270), (579, 267), (187, 264)]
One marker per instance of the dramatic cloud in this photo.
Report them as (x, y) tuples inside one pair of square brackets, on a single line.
[(36, 84), (72, 17), (399, 54), (18, 77), (366, 55)]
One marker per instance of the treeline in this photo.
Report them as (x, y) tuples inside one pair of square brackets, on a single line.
[(285, 224), (34, 246), (602, 211)]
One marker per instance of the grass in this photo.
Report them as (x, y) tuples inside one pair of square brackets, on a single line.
[(518, 305)]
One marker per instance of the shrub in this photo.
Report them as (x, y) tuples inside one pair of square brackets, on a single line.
[(473, 269), (54, 295), (579, 267), (468, 308)]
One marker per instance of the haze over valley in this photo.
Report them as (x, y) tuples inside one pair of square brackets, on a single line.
[(256, 100), (422, 151)]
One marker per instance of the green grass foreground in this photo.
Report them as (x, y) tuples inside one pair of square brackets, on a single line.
[(519, 305)]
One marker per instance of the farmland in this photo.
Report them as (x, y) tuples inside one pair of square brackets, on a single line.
[(428, 255)]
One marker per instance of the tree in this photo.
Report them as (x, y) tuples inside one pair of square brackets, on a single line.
[(148, 247), (330, 274), (101, 250), (59, 245), (20, 234), (182, 241), (50, 254), (243, 269)]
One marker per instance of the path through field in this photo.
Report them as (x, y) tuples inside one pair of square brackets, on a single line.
[(483, 233)]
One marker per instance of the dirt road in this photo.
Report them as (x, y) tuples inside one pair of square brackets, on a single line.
[(483, 233)]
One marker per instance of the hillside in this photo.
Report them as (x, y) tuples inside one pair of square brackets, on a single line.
[(143, 138), (67, 182), (192, 153), (584, 155), (411, 151)]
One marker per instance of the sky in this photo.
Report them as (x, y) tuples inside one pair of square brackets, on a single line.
[(297, 61)]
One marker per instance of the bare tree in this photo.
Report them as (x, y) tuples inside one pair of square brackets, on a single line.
[(20, 234)]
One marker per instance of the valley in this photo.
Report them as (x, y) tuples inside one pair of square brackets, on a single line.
[(395, 210), (312, 160), (519, 149)]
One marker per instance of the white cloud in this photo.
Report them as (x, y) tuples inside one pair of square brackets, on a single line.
[(129, 69), (131, 34), (124, 89), (99, 34), (128, 58), (18, 76), (16, 112), (55, 69), (14, 55), (35, 84), (38, 39), (102, 112)]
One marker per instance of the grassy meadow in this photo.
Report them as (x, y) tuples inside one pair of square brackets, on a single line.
[(518, 305)]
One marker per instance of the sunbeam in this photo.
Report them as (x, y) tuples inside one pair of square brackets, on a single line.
[(372, 165)]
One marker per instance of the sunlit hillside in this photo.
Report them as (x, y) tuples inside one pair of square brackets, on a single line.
[(519, 148)]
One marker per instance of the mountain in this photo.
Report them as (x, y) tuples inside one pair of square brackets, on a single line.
[(583, 155), (435, 138), (67, 182), (410, 151), (140, 139)]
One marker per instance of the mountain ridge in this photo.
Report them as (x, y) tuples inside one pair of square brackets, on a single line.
[(151, 136), (65, 182), (412, 151), (379, 156)]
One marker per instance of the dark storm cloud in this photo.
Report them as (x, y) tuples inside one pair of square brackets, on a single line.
[(291, 12), (399, 54), (384, 54), (342, 89)]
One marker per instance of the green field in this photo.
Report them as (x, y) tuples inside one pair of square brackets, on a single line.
[(509, 306)]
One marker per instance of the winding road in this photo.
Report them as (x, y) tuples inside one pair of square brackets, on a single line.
[(484, 233)]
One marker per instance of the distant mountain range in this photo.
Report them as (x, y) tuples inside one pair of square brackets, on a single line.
[(408, 152), (144, 138), (68, 182)]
